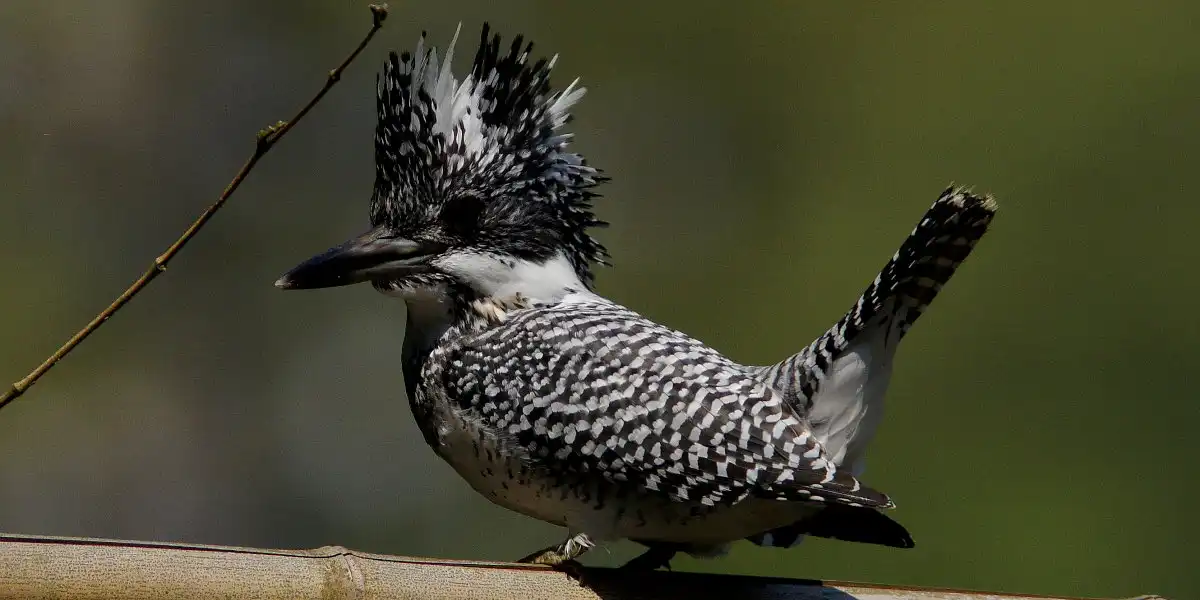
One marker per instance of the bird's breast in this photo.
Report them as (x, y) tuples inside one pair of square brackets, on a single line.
[(606, 510)]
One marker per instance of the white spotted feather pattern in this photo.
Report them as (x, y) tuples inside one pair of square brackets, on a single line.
[(593, 389)]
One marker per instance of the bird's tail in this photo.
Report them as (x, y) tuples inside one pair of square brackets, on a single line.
[(901, 291), (839, 522), (925, 261), (839, 385)]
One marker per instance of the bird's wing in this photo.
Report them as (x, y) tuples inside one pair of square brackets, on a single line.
[(592, 387)]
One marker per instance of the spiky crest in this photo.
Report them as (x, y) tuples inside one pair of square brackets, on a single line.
[(493, 135)]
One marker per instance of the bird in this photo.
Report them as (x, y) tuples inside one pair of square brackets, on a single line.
[(560, 404)]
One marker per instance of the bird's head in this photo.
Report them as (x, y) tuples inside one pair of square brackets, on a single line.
[(474, 185)]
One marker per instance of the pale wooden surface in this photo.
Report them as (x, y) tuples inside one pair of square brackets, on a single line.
[(85, 569)]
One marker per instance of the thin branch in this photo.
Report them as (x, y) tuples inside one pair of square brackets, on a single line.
[(267, 138)]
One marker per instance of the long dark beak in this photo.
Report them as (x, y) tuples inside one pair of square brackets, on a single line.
[(370, 256)]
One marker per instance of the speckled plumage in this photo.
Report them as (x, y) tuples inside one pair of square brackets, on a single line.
[(557, 403), (839, 380), (585, 414), (490, 138), (899, 293), (586, 387)]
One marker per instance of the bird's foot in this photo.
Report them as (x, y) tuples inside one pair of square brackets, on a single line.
[(550, 556), (569, 550), (562, 556)]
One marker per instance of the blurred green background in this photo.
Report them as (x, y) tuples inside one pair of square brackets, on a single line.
[(767, 158)]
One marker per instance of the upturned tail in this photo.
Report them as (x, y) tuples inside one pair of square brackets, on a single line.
[(899, 294), (838, 382)]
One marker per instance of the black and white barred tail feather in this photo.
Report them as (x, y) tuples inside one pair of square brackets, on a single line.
[(889, 306), (898, 295), (925, 261)]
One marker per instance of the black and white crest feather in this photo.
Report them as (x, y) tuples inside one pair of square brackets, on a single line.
[(494, 136)]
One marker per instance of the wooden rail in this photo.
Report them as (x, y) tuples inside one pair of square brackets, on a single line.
[(37, 567)]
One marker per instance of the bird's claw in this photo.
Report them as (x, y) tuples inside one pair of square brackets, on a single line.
[(554, 558), (561, 557)]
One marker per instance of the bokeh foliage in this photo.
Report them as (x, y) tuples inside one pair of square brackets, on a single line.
[(766, 159)]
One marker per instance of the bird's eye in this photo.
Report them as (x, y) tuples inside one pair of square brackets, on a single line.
[(461, 214)]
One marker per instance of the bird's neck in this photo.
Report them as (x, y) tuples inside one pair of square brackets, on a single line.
[(430, 315), (485, 289), (490, 277), (453, 308), (431, 311)]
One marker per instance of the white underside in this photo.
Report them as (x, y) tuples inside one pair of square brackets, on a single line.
[(849, 406), (640, 517)]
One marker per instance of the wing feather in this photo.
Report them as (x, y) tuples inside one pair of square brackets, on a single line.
[(592, 387)]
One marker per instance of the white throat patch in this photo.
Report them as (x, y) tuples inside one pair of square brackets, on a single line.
[(503, 277)]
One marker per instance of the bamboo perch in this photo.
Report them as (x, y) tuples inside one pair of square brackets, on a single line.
[(39, 567)]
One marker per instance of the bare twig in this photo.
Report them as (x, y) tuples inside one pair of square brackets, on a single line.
[(266, 139)]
